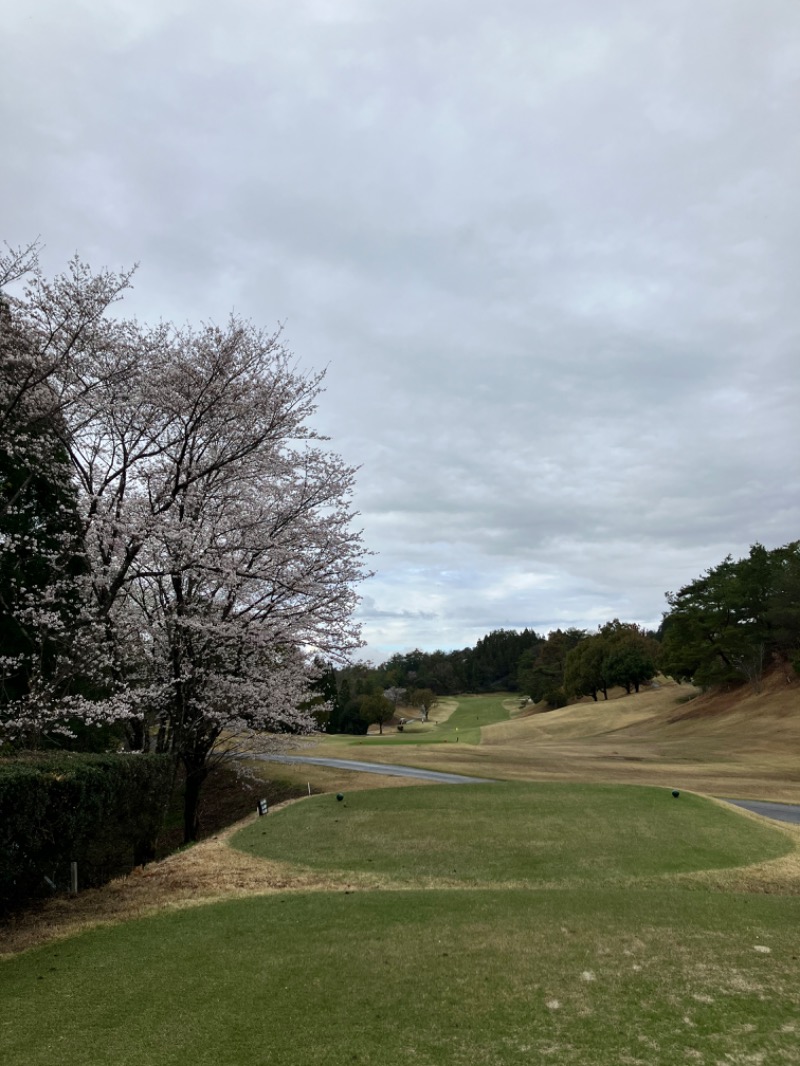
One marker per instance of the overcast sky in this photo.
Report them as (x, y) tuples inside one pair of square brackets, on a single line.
[(550, 253)]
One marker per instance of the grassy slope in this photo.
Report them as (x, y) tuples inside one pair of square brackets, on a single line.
[(739, 744)]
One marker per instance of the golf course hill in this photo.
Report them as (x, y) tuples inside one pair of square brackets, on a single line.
[(735, 742)]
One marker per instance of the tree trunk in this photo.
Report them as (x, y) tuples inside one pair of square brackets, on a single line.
[(135, 729), (195, 776), (144, 851)]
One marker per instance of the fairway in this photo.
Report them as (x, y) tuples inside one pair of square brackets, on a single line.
[(452, 722), (512, 833)]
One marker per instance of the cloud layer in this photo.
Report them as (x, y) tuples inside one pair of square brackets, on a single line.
[(548, 253)]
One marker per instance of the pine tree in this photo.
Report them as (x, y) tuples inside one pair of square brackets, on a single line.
[(42, 559)]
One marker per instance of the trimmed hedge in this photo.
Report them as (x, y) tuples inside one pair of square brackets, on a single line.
[(102, 811)]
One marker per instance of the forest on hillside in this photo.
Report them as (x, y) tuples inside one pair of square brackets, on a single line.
[(724, 627)]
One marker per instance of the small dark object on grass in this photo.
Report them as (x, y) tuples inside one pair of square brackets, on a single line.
[(675, 793), (339, 796)]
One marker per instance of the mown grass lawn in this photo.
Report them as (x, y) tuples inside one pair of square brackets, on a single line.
[(580, 964), (450, 977), (505, 832)]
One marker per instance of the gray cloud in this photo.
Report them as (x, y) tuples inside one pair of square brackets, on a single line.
[(548, 254)]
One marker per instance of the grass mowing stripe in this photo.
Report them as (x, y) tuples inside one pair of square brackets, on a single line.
[(451, 977), (513, 833)]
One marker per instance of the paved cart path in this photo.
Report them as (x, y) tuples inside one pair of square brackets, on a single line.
[(377, 768), (782, 812)]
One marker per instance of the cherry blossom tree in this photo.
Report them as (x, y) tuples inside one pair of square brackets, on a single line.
[(218, 532), (56, 341), (50, 339)]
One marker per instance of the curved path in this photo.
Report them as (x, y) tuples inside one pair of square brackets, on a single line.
[(377, 768), (781, 812)]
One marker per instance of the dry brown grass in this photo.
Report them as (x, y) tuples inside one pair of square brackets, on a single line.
[(204, 873), (774, 877), (330, 778), (739, 744)]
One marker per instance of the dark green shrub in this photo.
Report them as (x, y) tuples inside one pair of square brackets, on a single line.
[(102, 811), (556, 698)]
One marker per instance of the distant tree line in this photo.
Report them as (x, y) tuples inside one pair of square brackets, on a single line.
[(550, 669), (726, 626)]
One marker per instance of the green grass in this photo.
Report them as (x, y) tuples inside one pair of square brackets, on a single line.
[(462, 978), (462, 727), (578, 964), (510, 832)]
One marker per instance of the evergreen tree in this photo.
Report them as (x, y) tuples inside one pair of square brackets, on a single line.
[(630, 655), (42, 557), (726, 625), (541, 671)]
